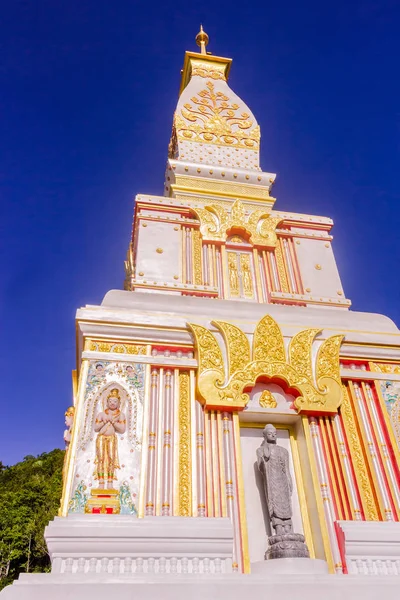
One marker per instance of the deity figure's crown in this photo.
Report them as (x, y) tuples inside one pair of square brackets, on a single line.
[(114, 394), (70, 412)]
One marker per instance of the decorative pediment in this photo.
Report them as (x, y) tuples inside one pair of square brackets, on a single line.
[(216, 223), (223, 387)]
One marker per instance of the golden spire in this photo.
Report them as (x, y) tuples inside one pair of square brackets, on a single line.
[(202, 40)]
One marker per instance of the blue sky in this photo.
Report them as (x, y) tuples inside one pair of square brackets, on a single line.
[(88, 90)]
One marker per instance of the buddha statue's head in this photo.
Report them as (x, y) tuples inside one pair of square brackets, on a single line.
[(269, 434), (113, 399)]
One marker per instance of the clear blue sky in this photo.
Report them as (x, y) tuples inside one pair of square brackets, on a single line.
[(88, 90)]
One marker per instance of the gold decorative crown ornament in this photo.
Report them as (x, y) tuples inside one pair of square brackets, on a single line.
[(70, 412), (114, 394)]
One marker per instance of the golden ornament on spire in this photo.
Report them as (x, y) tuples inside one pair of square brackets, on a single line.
[(202, 40)]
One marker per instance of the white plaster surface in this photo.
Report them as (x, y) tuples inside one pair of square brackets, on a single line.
[(159, 266), (372, 548), (324, 282), (122, 544), (290, 566), (258, 525), (200, 587)]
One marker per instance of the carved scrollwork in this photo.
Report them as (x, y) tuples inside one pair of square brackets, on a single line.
[(268, 360), (216, 223)]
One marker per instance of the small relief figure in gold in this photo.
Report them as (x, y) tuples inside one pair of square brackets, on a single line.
[(107, 425), (233, 274), (267, 400), (247, 278)]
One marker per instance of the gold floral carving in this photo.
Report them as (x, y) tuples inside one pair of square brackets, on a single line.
[(210, 355), (203, 69), (216, 223), (213, 119), (299, 354), (267, 400), (384, 368), (238, 344), (197, 266), (269, 361), (358, 459), (185, 485), (94, 346), (268, 341), (280, 265)]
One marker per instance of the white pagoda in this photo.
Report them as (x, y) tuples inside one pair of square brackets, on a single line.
[(233, 317)]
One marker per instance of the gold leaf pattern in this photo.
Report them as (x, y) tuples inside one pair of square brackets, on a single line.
[(269, 361), (215, 120), (328, 358), (268, 341), (209, 352), (300, 352), (237, 344), (384, 368)]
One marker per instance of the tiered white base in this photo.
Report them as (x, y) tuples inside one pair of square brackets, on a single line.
[(200, 587)]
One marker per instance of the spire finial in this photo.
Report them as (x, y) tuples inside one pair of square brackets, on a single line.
[(202, 40)]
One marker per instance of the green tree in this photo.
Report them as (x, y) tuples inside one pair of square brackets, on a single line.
[(30, 494)]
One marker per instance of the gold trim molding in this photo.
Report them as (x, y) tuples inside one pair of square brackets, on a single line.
[(226, 189), (267, 360)]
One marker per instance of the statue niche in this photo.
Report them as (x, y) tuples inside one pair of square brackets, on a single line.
[(273, 463)]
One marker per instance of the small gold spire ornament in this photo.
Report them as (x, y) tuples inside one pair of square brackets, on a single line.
[(202, 40)]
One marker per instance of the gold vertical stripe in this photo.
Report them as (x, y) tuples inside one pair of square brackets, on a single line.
[(343, 493), (185, 471), (197, 252), (175, 445), (193, 442), (383, 460), (318, 496), (267, 274), (240, 495), (280, 265), (145, 442), (222, 492), (365, 489)]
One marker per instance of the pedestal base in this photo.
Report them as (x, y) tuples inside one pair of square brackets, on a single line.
[(290, 566)]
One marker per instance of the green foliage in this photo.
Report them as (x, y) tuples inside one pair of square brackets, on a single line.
[(30, 493)]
